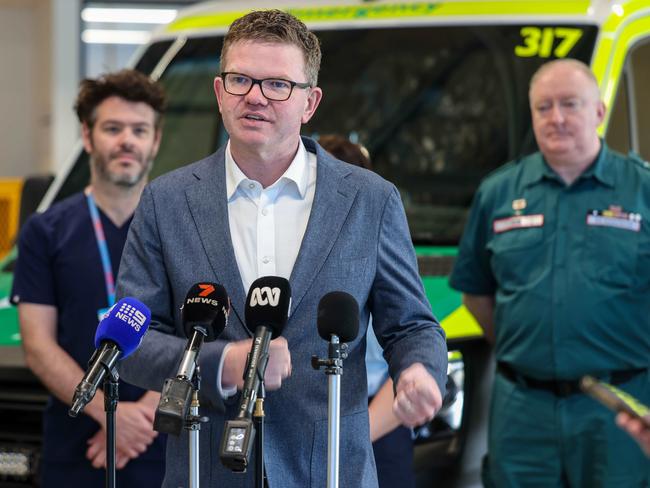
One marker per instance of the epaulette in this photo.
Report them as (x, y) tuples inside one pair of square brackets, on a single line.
[(509, 166), (638, 159)]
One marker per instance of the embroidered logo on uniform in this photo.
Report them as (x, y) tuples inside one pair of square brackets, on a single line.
[(518, 205), (517, 222), (615, 217)]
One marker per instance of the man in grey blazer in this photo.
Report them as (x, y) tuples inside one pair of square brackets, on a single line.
[(273, 203)]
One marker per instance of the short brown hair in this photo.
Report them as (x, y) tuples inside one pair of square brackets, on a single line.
[(276, 26), (128, 84)]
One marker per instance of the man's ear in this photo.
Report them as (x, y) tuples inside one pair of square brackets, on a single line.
[(157, 137), (601, 111), (314, 98), (218, 90)]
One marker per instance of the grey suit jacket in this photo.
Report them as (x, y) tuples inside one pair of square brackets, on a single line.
[(356, 241)]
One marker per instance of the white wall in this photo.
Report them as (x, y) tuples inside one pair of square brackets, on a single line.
[(39, 73), (64, 53)]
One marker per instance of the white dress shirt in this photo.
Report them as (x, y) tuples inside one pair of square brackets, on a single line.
[(267, 224)]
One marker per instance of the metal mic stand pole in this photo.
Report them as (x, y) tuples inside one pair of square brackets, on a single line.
[(258, 418), (337, 352), (111, 395), (193, 425)]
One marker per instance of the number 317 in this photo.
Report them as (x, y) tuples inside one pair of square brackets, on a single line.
[(541, 41)]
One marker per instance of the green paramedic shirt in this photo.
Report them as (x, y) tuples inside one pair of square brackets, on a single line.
[(569, 266)]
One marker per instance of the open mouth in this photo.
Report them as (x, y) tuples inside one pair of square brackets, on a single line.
[(256, 117)]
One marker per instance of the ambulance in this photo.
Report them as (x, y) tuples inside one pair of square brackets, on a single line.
[(437, 92)]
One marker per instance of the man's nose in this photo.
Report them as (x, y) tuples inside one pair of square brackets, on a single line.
[(557, 115), (255, 95), (127, 138)]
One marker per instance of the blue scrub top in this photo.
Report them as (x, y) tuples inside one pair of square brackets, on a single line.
[(59, 265)]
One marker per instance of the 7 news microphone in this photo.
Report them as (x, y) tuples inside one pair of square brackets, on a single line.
[(267, 309), (118, 334), (204, 316)]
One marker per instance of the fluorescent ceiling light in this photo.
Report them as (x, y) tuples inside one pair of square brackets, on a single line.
[(103, 36), (129, 15)]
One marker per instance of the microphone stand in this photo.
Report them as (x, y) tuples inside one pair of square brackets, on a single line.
[(111, 395), (193, 425), (337, 352), (258, 419)]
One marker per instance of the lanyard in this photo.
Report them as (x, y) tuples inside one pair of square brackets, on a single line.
[(103, 249)]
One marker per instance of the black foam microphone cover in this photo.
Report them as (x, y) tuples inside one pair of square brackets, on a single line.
[(206, 306), (267, 304), (338, 314)]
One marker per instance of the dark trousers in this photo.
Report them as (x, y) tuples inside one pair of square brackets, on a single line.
[(394, 459), (136, 474), (538, 440)]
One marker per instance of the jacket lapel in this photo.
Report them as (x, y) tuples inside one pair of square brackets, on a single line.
[(333, 199), (209, 208)]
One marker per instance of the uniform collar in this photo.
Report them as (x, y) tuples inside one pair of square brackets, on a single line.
[(602, 169)]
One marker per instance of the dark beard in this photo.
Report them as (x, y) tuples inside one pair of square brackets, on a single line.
[(124, 181)]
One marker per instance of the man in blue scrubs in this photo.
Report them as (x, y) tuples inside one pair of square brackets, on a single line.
[(68, 258), (555, 265)]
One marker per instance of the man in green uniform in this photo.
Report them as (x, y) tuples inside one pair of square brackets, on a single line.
[(555, 266)]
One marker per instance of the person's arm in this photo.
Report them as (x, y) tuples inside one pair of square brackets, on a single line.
[(61, 374), (482, 308), (144, 274), (637, 429), (472, 273), (382, 419), (413, 341), (49, 361)]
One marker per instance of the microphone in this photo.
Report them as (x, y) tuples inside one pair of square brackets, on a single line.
[(338, 315), (118, 334), (267, 308), (204, 316), (338, 323)]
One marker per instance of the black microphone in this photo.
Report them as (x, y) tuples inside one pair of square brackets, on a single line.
[(118, 334), (267, 308), (338, 323), (338, 315), (204, 315)]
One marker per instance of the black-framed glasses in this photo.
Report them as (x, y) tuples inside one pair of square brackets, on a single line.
[(275, 89)]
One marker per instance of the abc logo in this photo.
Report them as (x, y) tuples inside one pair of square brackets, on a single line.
[(265, 296)]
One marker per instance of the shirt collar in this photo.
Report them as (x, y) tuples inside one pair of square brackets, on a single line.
[(603, 169), (297, 172), (537, 168)]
